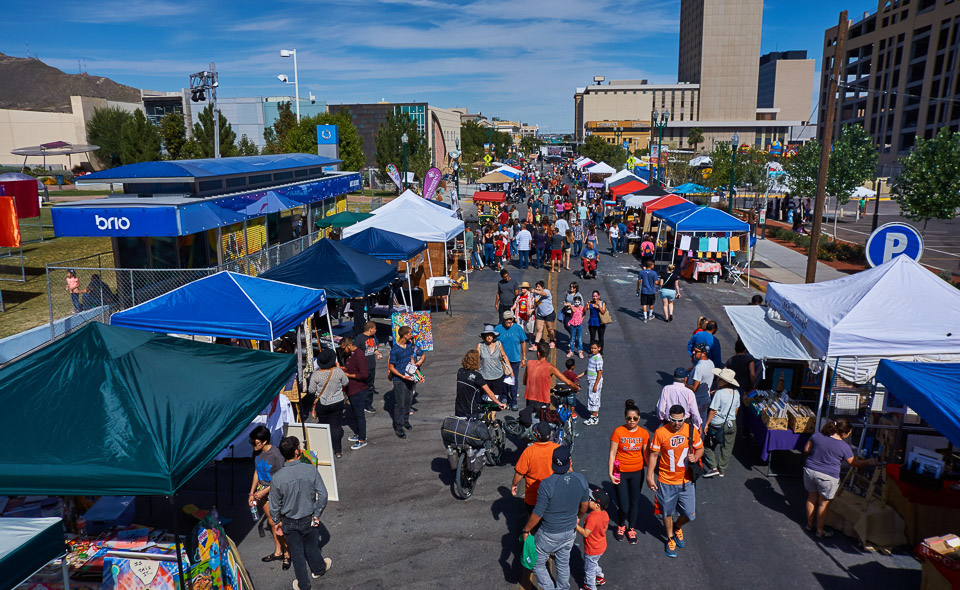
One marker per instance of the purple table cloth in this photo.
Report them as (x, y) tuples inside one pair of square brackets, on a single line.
[(773, 440)]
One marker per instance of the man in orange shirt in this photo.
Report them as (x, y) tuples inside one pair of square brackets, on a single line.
[(674, 491), (534, 465)]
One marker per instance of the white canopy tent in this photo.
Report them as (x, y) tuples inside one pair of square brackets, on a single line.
[(863, 191), (584, 163), (601, 168), (412, 199), (412, 221), (898, 310), (618, 176), (765, 336), (638, 200)]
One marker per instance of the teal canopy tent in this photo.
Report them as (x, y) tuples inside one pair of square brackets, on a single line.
[(115, 411), (26, 545)]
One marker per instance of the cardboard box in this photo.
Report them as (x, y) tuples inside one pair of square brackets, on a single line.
[(945, 545)]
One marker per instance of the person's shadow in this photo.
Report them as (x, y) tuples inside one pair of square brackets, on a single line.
[(510, 509)]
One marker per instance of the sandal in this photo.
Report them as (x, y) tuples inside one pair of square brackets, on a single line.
[(825, 534), (271, 557), (286, 562)]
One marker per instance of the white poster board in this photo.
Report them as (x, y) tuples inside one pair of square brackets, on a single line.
[(320, 442)]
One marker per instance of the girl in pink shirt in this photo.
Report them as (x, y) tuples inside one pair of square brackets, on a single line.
[(575, 324)]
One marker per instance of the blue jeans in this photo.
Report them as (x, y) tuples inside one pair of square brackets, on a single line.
[(488, 253), (75, 298), (511, 390), (524, 259), (577, 247), (304, 542), (540, 257), (559, 545), (576, 338), (476, 258)]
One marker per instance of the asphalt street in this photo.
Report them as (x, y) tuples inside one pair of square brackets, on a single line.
[(398, 524)]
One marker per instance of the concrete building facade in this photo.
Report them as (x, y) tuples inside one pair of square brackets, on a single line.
[(900, 74), (784, 84)]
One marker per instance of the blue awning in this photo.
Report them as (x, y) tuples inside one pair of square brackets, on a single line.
[(26, 545), (701, 219), (207, 167), (672, 209), (228, 305), (691, 188), (385, 245), (929, 389), (338, 269)]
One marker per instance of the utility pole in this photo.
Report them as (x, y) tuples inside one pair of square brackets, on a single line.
[(876, 205), (825, 142)]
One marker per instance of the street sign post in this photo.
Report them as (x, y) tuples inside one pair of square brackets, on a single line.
[(488, 159), (891, 240)]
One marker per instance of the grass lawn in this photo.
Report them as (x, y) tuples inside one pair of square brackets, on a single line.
[(26, 302), (73, 192)]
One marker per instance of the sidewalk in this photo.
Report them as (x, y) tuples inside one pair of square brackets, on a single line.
[(775, 263)]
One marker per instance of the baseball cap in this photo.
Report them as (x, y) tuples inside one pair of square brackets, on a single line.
[(543, 430), (561, 459), (680, 373), (701, 347), (508, 315), (601, 498)]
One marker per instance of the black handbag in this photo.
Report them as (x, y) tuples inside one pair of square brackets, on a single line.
[(695, 469)]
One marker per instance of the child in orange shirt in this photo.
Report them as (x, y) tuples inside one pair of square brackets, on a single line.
[(594, 533)]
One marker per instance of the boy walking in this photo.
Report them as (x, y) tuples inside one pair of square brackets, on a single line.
[(647, 289), (594, 533), (594, 384)]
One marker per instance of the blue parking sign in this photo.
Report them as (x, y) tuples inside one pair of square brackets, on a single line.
[(891, 240)]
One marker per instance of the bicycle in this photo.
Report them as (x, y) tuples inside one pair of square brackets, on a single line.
[(470, 460), (561, 413)]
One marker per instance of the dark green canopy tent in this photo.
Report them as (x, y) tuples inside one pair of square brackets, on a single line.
[(343, 219), (115, 411)]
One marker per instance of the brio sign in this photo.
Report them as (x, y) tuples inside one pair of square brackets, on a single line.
[(113, 222)]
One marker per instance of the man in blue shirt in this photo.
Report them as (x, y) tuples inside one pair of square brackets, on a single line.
[(647, 289), (621, 245), (708, 338), (513, 339), (589, 257), (401, 358)]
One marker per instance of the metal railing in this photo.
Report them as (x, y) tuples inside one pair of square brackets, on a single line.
[(106, 289)]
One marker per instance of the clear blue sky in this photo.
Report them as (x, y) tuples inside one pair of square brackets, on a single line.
[(507, 58)]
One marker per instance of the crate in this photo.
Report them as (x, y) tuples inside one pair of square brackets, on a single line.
[(774, 423), (802, 424)]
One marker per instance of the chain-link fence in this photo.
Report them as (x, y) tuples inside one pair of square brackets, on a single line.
[(92, 289)]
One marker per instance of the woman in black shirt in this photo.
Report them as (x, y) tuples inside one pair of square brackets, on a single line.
[(669, 290), (471, 387)]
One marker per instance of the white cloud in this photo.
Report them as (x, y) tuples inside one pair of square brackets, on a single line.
[(126, 11)]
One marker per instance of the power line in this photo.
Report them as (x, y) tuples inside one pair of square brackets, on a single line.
[(896, 93)]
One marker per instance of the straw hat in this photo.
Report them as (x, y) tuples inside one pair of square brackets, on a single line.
[(727, 375)]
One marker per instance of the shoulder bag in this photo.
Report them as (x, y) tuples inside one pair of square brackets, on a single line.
[(695, 469), (605, 317), (507, 369), (715, 433)]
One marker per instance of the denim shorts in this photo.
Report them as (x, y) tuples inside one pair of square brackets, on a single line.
[(668, 294)]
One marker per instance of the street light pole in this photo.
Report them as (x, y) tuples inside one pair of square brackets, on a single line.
[(734, 143), (660, 121), (404, 139), (296, 79)]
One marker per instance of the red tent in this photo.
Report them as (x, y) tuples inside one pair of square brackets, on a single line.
[(626, 188), (665, 201), (489, 197)]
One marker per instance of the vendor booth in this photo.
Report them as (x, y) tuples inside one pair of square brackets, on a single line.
[(583, 162), (662, 201), (487, 203), (621, 177), (390, 246), (597, 173), (28, 544), (631, 186), (495, 178), (704, 236), (145, 413)]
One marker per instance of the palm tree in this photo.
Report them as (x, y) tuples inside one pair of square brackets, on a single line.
[(695, 137)]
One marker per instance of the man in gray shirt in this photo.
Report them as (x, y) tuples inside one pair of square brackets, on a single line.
[(297, 499), (562, 499), (701, 379)]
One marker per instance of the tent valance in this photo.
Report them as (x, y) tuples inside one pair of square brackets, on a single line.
[(385, 245), (489, 197), (26, 545), (343, 219), (929, 389), (144, 412), (338, 269), (227, 304)]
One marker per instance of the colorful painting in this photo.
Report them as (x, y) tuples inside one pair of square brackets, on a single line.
[(810, 380), (139, 574), (422, 327)]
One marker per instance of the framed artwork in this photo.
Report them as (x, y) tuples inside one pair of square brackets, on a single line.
[(420, 323), (810, 380)]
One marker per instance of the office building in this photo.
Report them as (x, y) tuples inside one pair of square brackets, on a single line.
[(440, 126), (784, 84), (901, 73)]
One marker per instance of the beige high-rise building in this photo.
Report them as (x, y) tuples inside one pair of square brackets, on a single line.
[(719, 50)]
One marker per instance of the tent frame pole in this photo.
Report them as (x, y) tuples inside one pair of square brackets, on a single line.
[(676, 234), (184, 581), (326, 311), (66, 572), (749, 261), (823, 388)]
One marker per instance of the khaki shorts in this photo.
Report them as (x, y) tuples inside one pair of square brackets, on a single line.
[(823, 484)]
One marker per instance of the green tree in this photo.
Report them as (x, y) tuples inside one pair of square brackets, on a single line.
[(203, 133), (695, 137), (192, 150), (246, 147), (302, 138), (802, 170), (140, 140), (104, 130), (530, 145), (276, 135), (174, 134), (473, 136), (390, 146), (597, 149), (928, 186)]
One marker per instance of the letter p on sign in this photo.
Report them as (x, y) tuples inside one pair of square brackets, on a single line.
[(892, 240)]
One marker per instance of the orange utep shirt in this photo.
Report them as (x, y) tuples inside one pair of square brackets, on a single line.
[(673, 450)]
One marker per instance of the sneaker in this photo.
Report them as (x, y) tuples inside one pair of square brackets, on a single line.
[(327, 563), (353, 438), (671, 548), (570, 354), (601, 580), (621, 531), (553, 345), (532, 348), (712, 473), (721, 474), (678, 538), (632, 536), (581, 354), (370, 410), (513, 407), (358, 445)]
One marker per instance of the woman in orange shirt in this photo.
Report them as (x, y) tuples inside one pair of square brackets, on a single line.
[(628, 447)]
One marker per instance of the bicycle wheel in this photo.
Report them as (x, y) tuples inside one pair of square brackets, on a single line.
[(465, 480), (494, 453), (514, 427), (569, 433)]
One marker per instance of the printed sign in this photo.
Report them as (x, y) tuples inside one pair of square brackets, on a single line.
[(327, 135), (891, 240), (394, 175), (430, 182), (419, 322)]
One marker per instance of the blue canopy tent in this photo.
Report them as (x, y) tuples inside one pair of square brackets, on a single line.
[(338, 269), (688, 218), (387, 245), (228, 305), (929, 389), (691, 188), (28, 544)]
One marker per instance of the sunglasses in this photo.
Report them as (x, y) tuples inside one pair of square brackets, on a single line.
[(676, 420), (632, 419)]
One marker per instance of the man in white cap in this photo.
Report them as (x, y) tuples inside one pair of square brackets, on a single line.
[(722, 423)]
